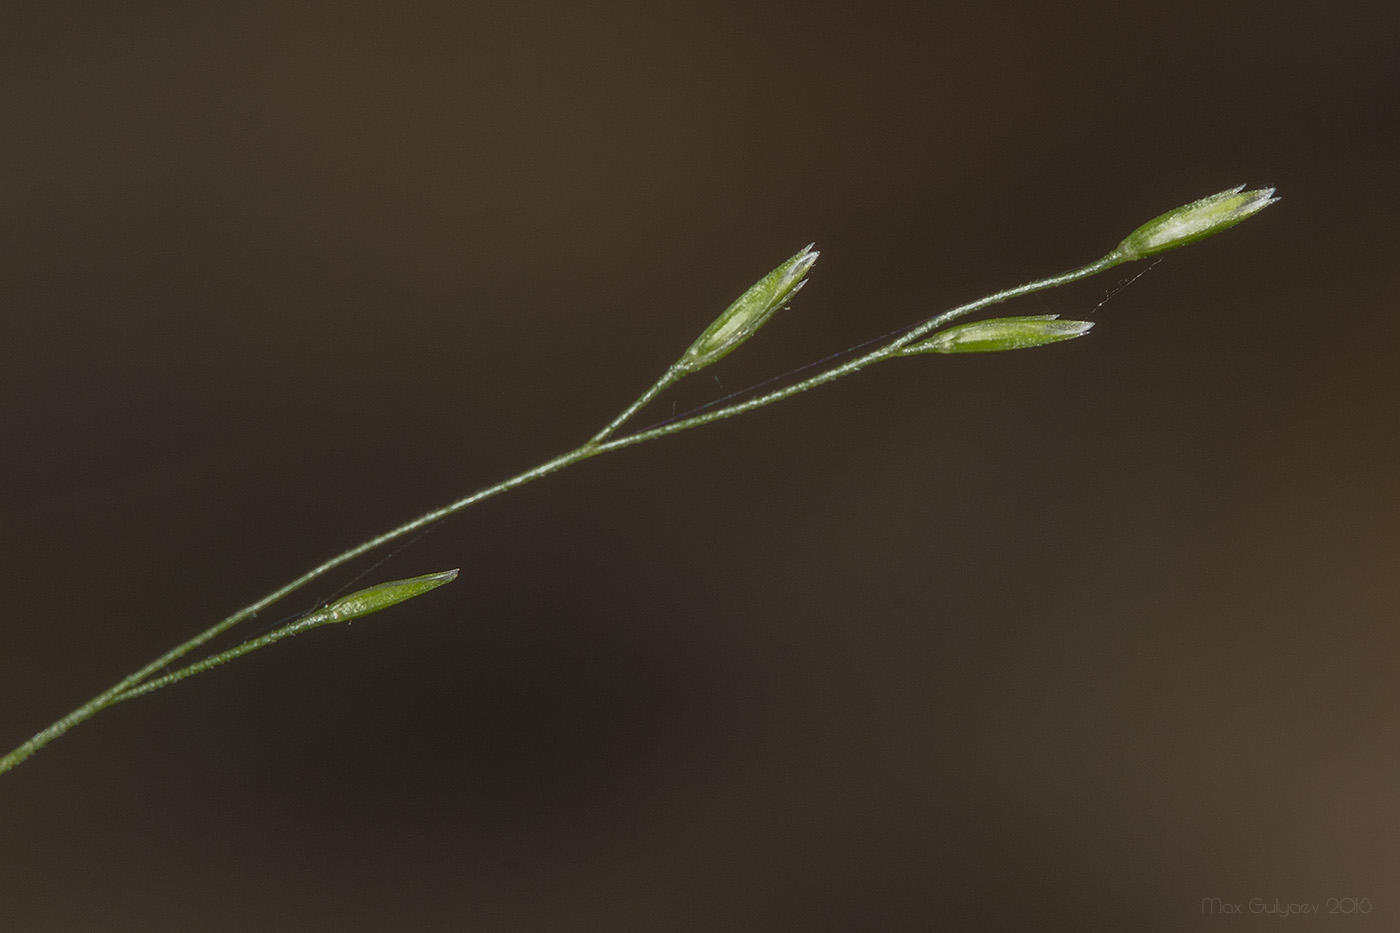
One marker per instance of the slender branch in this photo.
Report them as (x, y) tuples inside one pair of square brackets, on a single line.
[(199, 667), (882, 353), (358, 604), (137, 683), (668, 379), (107, 697)]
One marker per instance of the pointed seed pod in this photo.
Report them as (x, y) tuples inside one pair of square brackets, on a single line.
[(1001, 333), (372, 599), (1194, 221), (749, 312)]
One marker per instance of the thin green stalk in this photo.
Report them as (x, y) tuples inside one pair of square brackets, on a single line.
[(199, 667), (360, 603), (1183, 225), (668, 379), (882, 353), (107, 697), (136, 684)]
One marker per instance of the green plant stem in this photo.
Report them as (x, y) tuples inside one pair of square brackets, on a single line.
[(874, 356), (107, 697), (346, 609), (668, 379), (214, 660), (138, 683)]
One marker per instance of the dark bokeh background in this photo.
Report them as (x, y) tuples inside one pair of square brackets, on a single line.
[(1071, 639)]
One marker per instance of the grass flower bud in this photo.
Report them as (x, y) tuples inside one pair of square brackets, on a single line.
[(372, 599), (749, 312), (1001, 333), (1194, 221)]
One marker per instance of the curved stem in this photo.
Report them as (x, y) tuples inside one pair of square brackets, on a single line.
[(874, 356), (137, 683)]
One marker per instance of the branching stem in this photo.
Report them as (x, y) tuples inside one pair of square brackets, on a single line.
[(144, 680)]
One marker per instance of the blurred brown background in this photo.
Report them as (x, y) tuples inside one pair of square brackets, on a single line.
[(1073, 639)]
